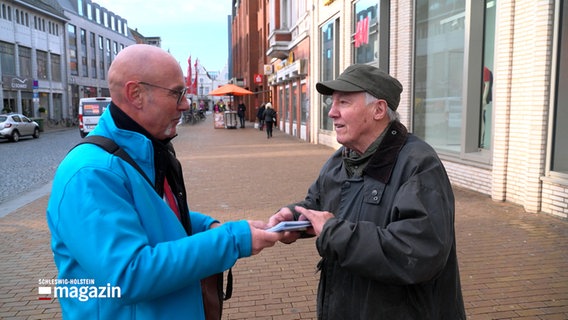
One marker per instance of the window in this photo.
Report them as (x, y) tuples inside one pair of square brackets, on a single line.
[(329, 66), (98, 15), (370, 32), (73, 62), (453, 76), (486, 106), (125, 28), (93, 54), (55, 67), (89, 11), (25, 61), (84, 60), (438, 78), (108, 50), (8, 59), (80, 7), (559, 155), (101, 57), (42, 65), (305, 102)]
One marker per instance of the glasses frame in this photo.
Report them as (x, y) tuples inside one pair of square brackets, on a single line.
[(181, 93)]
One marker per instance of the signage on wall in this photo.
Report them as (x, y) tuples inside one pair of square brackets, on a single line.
[(257, 78), (16, 83), (362, 32)]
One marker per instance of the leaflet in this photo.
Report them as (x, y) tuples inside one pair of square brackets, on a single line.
[(291, 226)]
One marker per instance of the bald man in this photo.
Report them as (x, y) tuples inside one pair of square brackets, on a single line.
[(125, 248)]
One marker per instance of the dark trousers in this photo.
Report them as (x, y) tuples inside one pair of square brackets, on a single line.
[(242, 119), (269, 129)]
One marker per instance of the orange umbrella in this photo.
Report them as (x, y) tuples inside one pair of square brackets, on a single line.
[(230, 90)]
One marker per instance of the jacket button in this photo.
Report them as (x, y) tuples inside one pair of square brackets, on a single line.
[(374, 192)]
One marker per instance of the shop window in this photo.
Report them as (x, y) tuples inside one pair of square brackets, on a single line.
[(329, 37), (370, 32), (559, 163), (448, 58)]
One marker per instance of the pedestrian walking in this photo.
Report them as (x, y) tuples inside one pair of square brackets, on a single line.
[(241, 108), (260, 116), (269, 116)]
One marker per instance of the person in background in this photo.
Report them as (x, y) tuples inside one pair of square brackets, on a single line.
[(269, 116), (109, 225), (241, 108), (382, 209), (260, 116)]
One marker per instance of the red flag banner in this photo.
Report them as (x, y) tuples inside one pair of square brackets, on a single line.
[(194, 84), (188, 78)]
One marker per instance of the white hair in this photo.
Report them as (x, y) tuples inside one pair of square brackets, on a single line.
[(393, 115)]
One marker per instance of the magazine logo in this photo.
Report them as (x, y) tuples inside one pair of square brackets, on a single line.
[(80, 289)]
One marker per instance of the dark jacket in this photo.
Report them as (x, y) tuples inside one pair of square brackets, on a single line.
[(269, 115), (390, 250), (241, 108), (260, 113)]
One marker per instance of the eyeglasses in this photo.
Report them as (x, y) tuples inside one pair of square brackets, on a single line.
[(180, 93)]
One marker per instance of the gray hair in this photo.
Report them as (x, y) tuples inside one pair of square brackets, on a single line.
[(393, 115)]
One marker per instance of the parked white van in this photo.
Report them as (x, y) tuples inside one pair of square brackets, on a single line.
[(90, 110)]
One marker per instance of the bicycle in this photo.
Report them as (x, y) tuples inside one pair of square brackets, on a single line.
[(52, 122)]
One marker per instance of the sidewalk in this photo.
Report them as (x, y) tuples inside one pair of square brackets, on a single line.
[(514, 265)]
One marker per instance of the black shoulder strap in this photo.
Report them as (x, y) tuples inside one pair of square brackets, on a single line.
[(111, 147)]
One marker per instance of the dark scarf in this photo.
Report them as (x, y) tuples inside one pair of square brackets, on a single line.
[(355, 163)]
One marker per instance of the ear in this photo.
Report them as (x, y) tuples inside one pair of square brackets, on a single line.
[(380, 109), (133, 93)]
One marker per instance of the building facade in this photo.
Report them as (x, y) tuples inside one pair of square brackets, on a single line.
[(484, 82), (483, 85), (94, 36), (55, 52), (32, 57)]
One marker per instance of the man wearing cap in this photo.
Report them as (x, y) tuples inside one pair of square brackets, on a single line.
[(382, 209)]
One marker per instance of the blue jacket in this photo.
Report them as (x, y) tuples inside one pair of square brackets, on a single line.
[(110, 228)]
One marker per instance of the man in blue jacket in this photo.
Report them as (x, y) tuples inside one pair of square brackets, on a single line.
[(113, 230), (382, 208)]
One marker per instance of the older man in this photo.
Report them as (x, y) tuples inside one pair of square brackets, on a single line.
[(382, 209), (115, 229)]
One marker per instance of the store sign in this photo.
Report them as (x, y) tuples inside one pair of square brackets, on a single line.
[(362, 32), (17, 83), (258, 78)]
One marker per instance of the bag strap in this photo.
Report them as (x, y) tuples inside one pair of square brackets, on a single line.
[(111, 147)]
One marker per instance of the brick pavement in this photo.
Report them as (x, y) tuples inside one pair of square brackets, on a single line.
[(514, 265)]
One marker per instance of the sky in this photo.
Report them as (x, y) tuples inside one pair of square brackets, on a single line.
[(191, 27)]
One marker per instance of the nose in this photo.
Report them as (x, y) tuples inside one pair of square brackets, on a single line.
[(184, 105), (333, 113)]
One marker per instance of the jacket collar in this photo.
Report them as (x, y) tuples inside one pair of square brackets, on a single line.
[(382, 163)]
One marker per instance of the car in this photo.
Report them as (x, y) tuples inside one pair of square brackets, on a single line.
[(90, 110), (15, 125)]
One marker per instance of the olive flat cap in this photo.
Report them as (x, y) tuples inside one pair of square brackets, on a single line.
[(363, 77)]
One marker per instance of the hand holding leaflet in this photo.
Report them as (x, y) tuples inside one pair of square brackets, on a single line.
[(291, 226)]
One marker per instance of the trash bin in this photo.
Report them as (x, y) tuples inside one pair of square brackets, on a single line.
[(230, 119), (40, 122)]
